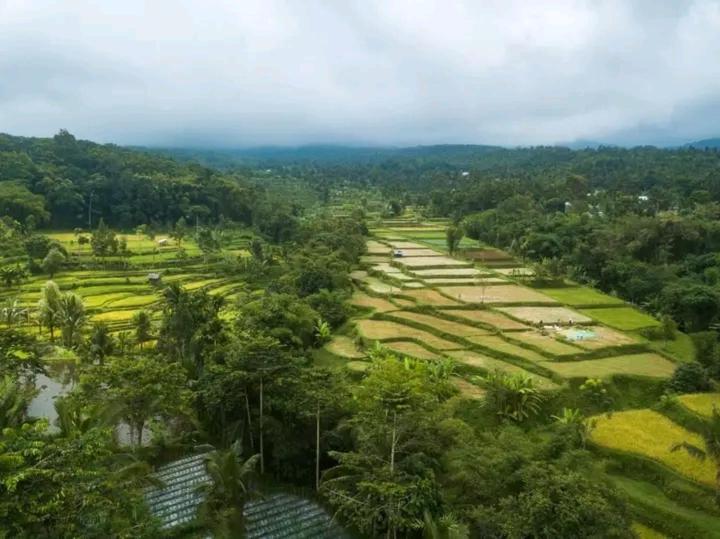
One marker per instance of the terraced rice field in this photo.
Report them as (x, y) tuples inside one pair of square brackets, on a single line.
[(624, 318), (546, 315), (450, 281), (603, 337), (646, 364), (429, 297), (488, 364), (468, 389), (650, 434), (701, 403), (546, 343), (382, 330), (344, 347), (440, 324), (510, 293), (360, 299), (411, 349), (447, 272), (428, 262), (407, 245), (581, 296), (486, 316), (498, 344)]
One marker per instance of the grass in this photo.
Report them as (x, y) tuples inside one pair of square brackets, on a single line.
[(643, 532), (509, 293), (656, 506), (624, 318), (651, 435), (577, 296), (381, 330), (647, 364), (468, 389), (701, 403), (682, 347)]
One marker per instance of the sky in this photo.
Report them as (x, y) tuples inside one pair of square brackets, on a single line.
[(240, 73)]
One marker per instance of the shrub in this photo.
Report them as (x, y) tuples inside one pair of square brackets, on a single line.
[(689, 378)]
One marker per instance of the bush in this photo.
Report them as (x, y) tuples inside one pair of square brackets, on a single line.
[(690, 378)]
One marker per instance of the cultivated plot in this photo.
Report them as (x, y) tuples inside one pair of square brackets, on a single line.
[(498, 344), (495, 294), (468, 389), (440, 324), (487, 316), (480, 361), (650, 434), (596, 337), (546, 315), (429, 297), (447, 272), (382, 330), (545, 342), (411, 349), (407, 245), (377, 248), (417, 262), (645, 364), (625, 318), (701, 403), (343, 346), (577, 296), (419, 252)]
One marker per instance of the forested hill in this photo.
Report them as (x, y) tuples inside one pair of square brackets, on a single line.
[(58, 181)]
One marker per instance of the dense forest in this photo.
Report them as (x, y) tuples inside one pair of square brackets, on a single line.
[(195, 307)]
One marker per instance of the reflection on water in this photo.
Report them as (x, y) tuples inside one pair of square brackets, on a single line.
[(59, 380)]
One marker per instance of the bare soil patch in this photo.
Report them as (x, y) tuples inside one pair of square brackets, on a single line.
[(510, 293), (546, 315)]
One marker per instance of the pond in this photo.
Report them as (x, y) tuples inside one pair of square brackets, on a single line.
[(59, 380)]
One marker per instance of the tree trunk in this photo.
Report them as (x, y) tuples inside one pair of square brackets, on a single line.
[(52, 333), (262, 447), (317, 447), (141, 427), (393, 443), (249, 420)]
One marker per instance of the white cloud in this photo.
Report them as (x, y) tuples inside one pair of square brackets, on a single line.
[(373, 71)]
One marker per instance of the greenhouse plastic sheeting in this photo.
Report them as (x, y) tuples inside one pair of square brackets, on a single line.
[(288, 516)]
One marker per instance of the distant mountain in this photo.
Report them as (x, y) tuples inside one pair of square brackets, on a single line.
[(713, 143)]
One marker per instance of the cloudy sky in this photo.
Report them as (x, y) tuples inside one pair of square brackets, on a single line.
[(258, 72)]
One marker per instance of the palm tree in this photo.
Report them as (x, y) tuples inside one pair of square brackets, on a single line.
[(101, 343), (512, 396), (711, 439), (72, 317), (74, 419), (11, 312), (229, 490), (49, 307)]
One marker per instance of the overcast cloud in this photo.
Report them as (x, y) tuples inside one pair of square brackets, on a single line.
[(256, 72)]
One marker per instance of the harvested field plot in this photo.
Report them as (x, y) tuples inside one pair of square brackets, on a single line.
[(510, 293), (358, 275), (449, 272), (596, 337), (479, 361), (648, 364), (576, 296), (377, 248), (378, 286), (385, 267), (429, 262), (651, 435), (701, 403), (430, 297), (403, 302), (412, 284), (373, 259), (546, 315), (498, 344), (515, 272), (486, 316), (420, 252), (546, 343), (381, 330), (440, 324), (407, 245), (344, 347), (411, 349), (625, 318), (468, 389), (450, 281)]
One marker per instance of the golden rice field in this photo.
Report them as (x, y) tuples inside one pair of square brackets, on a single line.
[(650, 434), (480, 361), (497, 343), (411, 349), (344, 347), (360, 299), (701, 403), (429, 297), (487, 316)]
